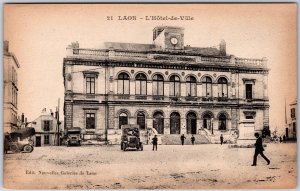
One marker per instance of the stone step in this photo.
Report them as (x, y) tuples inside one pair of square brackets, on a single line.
[(175, 139)]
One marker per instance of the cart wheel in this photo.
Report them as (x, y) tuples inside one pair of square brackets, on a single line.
[(14, 148), (28, 148)]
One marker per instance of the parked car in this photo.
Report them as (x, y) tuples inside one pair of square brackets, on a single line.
[(19, 140), (130, 138), (73, 136)]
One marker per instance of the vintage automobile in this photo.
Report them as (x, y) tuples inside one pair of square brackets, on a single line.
[(19, 140), (130, 138), (73, 136)]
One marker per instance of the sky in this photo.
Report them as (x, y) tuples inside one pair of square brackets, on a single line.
[(39, 35)]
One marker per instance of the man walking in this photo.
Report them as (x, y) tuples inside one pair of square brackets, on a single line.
[(221, 139), (154, 142), (182, 139), (193, 139), (259, 150)]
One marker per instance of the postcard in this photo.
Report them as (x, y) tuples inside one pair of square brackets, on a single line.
[(150, 96)]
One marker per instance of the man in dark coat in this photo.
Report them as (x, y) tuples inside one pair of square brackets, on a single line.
[(182, 139), (221, 139), (259, 149), (193, 139), (154, 142)]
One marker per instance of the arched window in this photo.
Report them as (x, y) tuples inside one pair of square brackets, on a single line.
[(191, 86), (191, 123), (222, 87), (222, 122), (207, 121), (174, 123), (158, 85), (123, 119), (123, 83), (141, 120), (141, 84), (174, 86), (158, 122), (207, 86)]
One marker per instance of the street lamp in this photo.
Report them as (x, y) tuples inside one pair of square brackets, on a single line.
[(212, 125)]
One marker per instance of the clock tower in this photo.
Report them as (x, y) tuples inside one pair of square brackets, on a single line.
[(169, 38)]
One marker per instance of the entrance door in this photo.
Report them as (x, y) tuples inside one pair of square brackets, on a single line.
[(158, 122), (37, 141), (191, 123), (175, 123)]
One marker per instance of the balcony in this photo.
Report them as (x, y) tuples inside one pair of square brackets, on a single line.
[(207, 99), (223, 99), (123, 96), (158, 97), (141, 97), (191, 98)]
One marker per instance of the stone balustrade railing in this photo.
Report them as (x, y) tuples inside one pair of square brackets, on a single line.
[(214, 59), (80, 52), (90, 52), (250, 62)]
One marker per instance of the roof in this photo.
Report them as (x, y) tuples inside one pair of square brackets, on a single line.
[(129, 46), (209, 51)]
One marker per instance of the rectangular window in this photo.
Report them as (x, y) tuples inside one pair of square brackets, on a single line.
[(249, 117), (248, 91), (46, 139), (90, 120), (46, 125), (90, 85)]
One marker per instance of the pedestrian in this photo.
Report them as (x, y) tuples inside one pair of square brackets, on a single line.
[(221, 139), (182, 139), (259, 149), (193, 139), (283, 138), (154, 142)]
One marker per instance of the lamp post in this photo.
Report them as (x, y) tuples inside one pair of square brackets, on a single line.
[(212, 126)]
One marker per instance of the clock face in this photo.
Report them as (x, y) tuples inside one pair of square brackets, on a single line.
[(174, 40)]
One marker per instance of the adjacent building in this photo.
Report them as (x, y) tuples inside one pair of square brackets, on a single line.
[(291, 130), (167, 86), (46, 130), (10, 87)]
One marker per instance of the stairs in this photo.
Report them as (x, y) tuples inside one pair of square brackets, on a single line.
[(174, 139)]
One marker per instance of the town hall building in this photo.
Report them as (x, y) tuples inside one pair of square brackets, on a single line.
[(166, 86)]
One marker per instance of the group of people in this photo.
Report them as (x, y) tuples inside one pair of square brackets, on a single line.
[(259, 149)]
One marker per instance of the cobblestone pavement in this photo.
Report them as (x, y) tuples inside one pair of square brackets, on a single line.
[(171, 167)]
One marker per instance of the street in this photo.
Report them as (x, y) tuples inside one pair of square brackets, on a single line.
[(171, 167)]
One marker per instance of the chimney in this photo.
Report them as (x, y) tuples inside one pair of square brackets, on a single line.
[(5, 46), (25, 119), (223, 48)]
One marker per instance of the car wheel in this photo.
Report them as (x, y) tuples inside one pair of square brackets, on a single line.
[(142, 148), (121, 146), (28, 148), (14, 148)]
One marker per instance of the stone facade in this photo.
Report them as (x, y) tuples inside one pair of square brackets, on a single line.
[(10, 79), (172, 88)]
